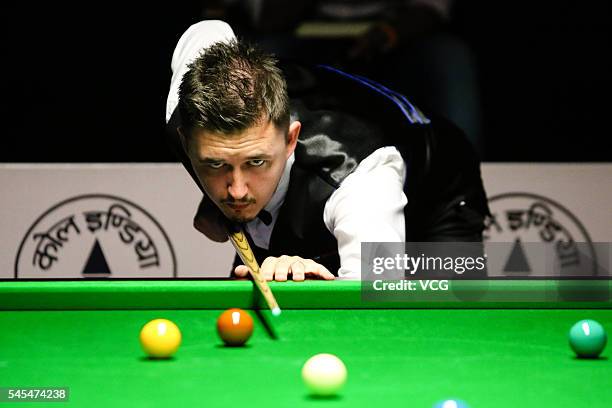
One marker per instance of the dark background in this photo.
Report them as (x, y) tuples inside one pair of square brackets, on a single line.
[(87, 82)]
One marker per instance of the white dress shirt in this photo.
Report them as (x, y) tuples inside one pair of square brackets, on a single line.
[(193, 41)]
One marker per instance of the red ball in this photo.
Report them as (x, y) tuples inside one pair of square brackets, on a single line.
[(235, 327)]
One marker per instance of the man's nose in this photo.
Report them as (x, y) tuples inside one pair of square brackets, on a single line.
[(237, 185)]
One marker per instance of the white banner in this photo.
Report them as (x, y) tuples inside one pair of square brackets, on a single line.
[(553, 214), (104, 220)]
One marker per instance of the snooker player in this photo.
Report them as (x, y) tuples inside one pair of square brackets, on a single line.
[(312, 160)]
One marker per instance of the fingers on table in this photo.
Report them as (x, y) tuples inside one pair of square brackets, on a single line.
[(241, 271), (281, 268), (315, 270), (298, 270), (268, 267)]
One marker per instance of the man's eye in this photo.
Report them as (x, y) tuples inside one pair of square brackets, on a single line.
[(215, 165), (256, 162)]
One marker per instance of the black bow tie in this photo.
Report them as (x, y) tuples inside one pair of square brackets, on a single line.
[(265, 217)]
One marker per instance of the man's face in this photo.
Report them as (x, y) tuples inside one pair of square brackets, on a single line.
[(241, 171)]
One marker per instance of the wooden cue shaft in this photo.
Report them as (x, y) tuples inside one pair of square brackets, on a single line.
[(241, 244)]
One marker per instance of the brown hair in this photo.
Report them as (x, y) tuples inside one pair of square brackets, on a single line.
[(231, 87)]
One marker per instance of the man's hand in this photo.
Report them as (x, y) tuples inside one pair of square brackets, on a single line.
[(280, 268), (210, 221)]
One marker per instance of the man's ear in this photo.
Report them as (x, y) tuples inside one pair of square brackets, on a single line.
[(292, 136)]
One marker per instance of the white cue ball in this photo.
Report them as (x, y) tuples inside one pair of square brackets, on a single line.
[(324, 374)]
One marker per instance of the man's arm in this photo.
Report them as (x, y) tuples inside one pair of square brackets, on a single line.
[(197, 37), (368, 207)]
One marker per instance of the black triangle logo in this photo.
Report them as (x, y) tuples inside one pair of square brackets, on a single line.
[(517, 261), (96, 263)]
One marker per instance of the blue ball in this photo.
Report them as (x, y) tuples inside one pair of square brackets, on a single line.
[(451, 403), (587, 338)]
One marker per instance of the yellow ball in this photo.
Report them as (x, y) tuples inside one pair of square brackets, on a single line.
[(160, 338)]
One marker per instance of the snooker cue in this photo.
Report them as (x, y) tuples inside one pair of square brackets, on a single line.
[(241, 244)]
